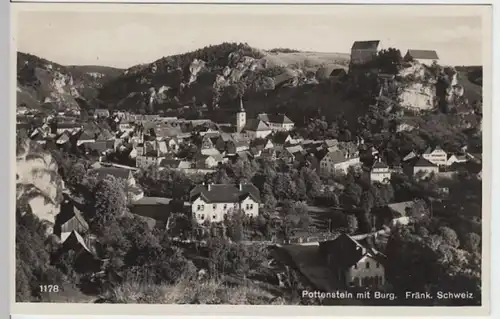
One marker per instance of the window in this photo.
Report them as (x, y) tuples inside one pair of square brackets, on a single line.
[(199, 207), (225, 206), (202, 216), (213, 216), (248, 206), (202, 207), (367, 265), (251, 206), (214, 206)]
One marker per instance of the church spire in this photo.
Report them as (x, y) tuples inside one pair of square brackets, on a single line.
[(241, 109)]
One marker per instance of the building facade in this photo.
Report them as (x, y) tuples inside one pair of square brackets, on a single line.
[(363, 52), (436, 156), (215, 202), (380, 173)]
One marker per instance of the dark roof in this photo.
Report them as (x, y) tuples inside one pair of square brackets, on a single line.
[(85, 136), (147, 201), (256, 125), (225, 193), (98, 146), (337, 72), (423, 54), (422, 162), (275, 118), (65, 215), (170, 163), (117, 172), (336, 156), (365, 45), (380, 164)]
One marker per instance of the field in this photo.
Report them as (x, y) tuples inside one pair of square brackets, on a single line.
[(308, 60)]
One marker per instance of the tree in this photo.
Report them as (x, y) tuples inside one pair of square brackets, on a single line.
[(449, 236), (472, 242), (109, 202)]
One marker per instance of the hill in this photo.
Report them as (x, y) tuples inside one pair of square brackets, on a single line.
[(46, 85), (216, 76)]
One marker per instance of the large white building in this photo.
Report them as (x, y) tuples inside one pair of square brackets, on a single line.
[(214, 202), (277, 122), (426, 57)]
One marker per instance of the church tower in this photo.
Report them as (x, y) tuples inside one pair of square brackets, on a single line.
[(241, 117)]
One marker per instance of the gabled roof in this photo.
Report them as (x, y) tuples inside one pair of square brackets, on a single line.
[(85, 137), (225, 193), (423, 54), (422, 162), (365, 45), (401, 208), (278, 119), (255, 125), (64, 216), (335, 156)]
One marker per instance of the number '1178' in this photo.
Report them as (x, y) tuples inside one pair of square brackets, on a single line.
[(49, 288)]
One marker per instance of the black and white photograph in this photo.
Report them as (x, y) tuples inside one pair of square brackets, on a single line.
[(326, 155)]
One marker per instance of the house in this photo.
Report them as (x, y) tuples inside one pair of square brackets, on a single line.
[(255, 128), (233, 147), (354, 263), (424, 168), (85, 258), (409, 156), (208, 161), (70, 127), (69, 219), (156, 208), (173, 144), (21, 110), (262, 144), (270, 154), (277, 122), (122, 174), (147, 160), (337, 161), (63, 138), (426, 57), (101, 113), (214, 202), (380, 172), (282, 138), (363, 52), (436, 156), (452, 159), (175, 164), (401, 213), (85, 138)]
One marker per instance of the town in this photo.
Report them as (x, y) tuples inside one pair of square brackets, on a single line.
[(275, 203)]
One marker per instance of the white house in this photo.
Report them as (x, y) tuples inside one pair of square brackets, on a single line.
[(338, 161), (214, 202), (424, 168), (426, 57), (380, 172), (436, 156), (277, 122), (354, 264), (365, 51)]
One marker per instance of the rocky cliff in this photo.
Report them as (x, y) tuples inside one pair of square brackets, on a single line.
[(38, 184), (42, 84)]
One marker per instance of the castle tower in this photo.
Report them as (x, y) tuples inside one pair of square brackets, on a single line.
[(241, 117)]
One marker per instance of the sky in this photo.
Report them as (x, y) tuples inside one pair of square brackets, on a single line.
[(123, 38)]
